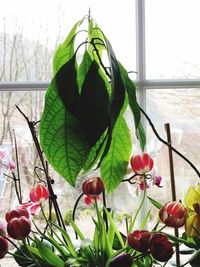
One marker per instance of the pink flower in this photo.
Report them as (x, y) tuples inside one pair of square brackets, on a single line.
[(11, 166), (156, 180), (38, 193), (3, 153), (142, 164), (32, 207)]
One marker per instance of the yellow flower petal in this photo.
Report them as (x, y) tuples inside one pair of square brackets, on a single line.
[(192, 197), (192, 226)]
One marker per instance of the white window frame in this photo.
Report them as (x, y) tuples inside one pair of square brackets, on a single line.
[(142, 83)]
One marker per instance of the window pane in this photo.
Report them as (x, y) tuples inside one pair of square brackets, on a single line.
[(172, 39), (31, 103), (180, 108), (30, 32)]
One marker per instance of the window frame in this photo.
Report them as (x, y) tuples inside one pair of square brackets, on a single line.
[(141, 82)]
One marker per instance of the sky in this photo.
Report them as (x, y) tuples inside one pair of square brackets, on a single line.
[(172, 29)]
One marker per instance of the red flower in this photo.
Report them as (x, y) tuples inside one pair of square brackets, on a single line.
[(89, 200), (38, 193), (139, 240), (173, 214), (16, 213), (123, 259), (3, 247), (160, 247), (142, 164), (93, 186), (19, 228)]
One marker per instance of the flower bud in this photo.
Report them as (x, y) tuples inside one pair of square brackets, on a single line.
[(123, 259), (142, 164), (173, 214), (38, 193), (19, 228), (16, 213), (139, 240), (93, 186), (160, 247), (3, 247)]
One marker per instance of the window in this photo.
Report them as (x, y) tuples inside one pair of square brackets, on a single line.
[(157, 39)]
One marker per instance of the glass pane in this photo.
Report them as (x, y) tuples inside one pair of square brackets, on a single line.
[(31, 104), (180, 108), (172, 39), (30, 32)]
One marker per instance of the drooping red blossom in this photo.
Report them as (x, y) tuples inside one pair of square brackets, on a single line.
[(93, 186), (19, 228), (89, 200), (123, 259), (33, 207), (160, 247), (38, 193), (142, 164), (173, 214), (139, 240), (3, 247), (156, 180), (16, 213)]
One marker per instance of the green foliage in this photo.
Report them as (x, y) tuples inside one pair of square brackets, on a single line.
[(68, 217), (82, 123)]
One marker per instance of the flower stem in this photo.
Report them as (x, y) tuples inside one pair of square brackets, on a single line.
[(138, 210), (74, 211), (104, 213)]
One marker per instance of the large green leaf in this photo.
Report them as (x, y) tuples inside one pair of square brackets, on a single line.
[(141, 136), (117, 85), (117, 95), (114, 165), (94, 101), (83, 69), (65, 51), (131, 92), (61, 137), (96, 36), (67, 86), (95, 153)]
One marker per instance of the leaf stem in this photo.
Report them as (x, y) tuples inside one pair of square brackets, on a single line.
[(167, 144)]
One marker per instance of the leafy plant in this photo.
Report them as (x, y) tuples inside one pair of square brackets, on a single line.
[(83, 122)]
